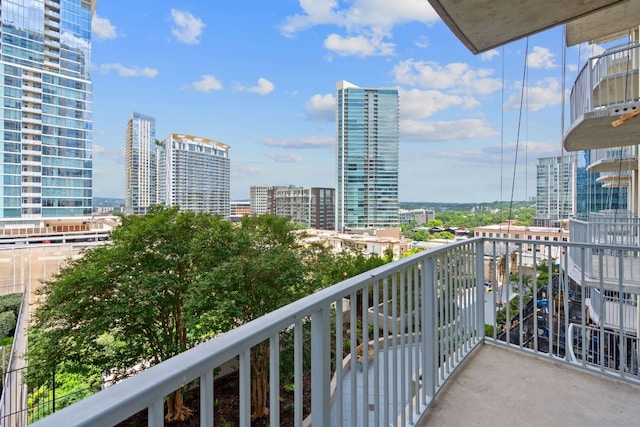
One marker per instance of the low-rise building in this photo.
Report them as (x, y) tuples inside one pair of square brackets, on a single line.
[(363, 243)]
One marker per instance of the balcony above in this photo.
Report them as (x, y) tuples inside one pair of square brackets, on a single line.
[(614, 165), (605, 101), (486, 24)]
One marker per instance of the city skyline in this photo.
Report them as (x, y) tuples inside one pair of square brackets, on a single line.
[(260, 78)]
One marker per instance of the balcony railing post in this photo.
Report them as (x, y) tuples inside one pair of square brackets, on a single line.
[(480, 289), (430, 343), (320, 367)]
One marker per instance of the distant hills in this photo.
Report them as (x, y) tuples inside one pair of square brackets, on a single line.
[(465, 206), (107, 202)]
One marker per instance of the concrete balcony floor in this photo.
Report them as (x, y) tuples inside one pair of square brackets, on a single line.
[(496, 386)]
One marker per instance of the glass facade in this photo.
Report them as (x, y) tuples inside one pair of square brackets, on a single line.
[(194, 174), (45, 148), (367, 136), (141, 165), (592, 195)]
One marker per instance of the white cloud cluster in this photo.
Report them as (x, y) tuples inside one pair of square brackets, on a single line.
[(358, 46), (264, 87), (541, 57), (129, 71), (186, 27), (102, 28), (304, 142), (367, 22), (417, 103), (285, 157), (544, 93), (422, 131), (457, 76), (207, 83), (321, 107), (489, 55)]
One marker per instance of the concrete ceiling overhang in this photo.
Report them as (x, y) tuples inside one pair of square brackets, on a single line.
[(593, 130), (614, 165), (607, 24), (482, 25)]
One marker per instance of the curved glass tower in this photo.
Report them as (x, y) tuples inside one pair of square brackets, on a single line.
[(46, 131)]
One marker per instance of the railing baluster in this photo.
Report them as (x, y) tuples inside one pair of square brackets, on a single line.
[(320, 369), (339, 358), (274, 380), (394, 344), (365, 356), (403, 387), (429, 330), (156, 414), (385, 333), (206, 400), (353, 335), (297, 372), (376, 353), (245, 388)]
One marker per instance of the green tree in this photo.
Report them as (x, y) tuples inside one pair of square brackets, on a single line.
[(134, 290)]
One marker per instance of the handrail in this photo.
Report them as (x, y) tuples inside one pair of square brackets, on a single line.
[(437, 302)]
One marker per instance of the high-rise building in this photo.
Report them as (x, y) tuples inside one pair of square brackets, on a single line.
[(366, 157), (595, 194), (259, 199), (141, 164), (555, 190), (45, 150), (313, 207), (194, 174)]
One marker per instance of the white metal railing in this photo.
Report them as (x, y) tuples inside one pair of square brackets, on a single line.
[(606, 80), (408, 325)]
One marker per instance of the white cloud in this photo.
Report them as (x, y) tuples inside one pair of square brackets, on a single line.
[(286, 157), (417, 103), (207, 83), (238, 171), (416, 130), (359, 14), (186, 27), (304, 142), (358, 45), (264, 87), (321, 107), (129, 71), (494, 154), (489, 55), (422, 42), (102, 28), (455, 76), (108, 153), (541, 57), (544, 93)]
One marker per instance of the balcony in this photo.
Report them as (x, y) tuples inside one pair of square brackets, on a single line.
[(422, 320), (604, 101)]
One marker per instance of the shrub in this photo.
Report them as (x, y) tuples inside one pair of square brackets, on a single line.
[(7, 323)]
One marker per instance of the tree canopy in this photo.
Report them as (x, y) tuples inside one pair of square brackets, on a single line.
[(168, 281)]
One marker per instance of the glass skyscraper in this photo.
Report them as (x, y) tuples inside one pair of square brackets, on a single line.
[(141, 164), (45, 147), (366, 157), (194, 173)]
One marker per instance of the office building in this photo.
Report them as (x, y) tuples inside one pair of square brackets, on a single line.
[(366, 158), (420, 216), (141, 165), (45, 159), (555, 190), (239, 209), (194, 174)]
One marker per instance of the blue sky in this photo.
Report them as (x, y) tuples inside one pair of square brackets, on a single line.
[(260, 76)]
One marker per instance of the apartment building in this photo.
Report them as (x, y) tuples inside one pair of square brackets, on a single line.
[(194, 174), (555, 190)]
